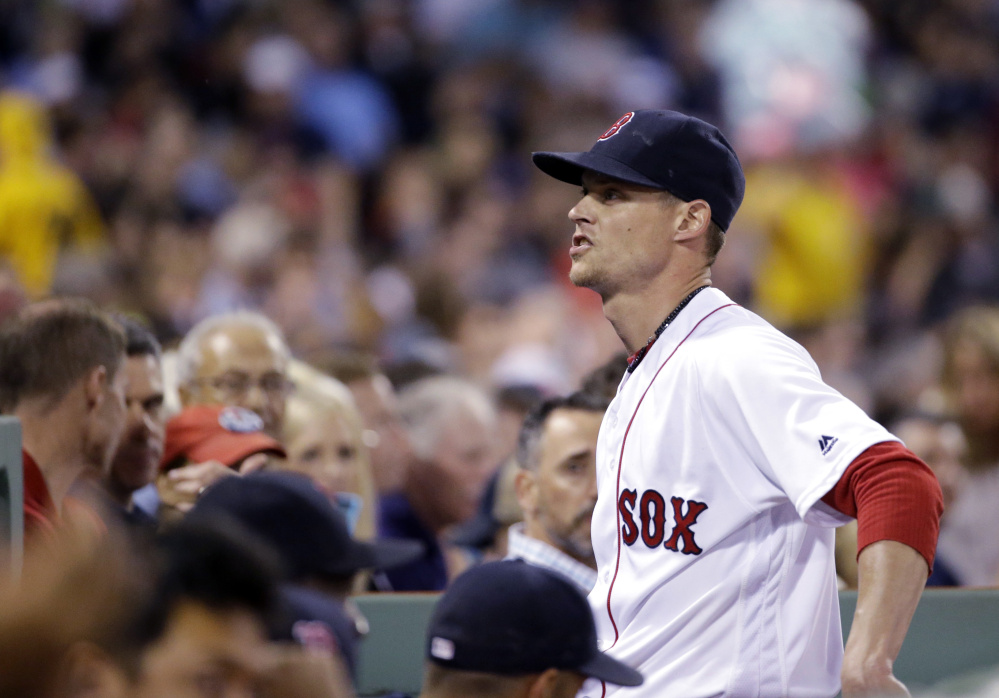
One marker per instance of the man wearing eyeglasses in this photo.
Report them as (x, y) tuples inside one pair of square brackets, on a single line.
[(238, 359)]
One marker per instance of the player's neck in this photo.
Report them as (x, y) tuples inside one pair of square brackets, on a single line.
[(635, 316)]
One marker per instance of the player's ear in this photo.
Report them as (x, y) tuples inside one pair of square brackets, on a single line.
[(525, 484), (544, 685), (694, 219)]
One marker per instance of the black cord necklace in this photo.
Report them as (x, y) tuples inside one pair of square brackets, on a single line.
[(637, 357)]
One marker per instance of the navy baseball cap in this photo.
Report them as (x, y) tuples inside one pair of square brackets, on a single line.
[(291, 514), (667, 150), (319, 621), (513, 618)]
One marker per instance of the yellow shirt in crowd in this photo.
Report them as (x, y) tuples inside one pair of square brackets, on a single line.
[(815, 247), (44, 207)]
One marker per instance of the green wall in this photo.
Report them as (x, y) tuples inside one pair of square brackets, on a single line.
[(954, 631)]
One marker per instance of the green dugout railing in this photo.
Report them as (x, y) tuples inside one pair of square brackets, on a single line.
[(955, 632)]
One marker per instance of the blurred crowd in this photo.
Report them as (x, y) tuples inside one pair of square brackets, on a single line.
[(358, 170), (312, 244)]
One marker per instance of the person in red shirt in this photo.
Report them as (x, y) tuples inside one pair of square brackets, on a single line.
[(60, 375)]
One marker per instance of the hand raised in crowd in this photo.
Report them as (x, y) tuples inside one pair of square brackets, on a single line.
[(179, 488)]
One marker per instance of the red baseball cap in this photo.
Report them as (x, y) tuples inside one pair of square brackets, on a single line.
[(216, 432)]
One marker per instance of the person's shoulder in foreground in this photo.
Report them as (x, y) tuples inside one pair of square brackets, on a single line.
[(510, 629)]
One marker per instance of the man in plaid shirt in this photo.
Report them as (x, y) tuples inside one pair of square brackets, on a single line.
[(557, 487)]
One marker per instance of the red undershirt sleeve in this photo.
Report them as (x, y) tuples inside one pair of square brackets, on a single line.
[(893, 495)]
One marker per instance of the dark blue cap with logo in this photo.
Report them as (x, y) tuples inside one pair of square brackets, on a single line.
[(321, 622), (667, 150), (289, 512), (513, 618)]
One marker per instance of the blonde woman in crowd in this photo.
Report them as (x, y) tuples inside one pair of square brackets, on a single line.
[(971, 387), (323, 436)]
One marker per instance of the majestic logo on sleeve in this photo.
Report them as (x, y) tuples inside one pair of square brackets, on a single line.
[(654, 517), (826, 443)]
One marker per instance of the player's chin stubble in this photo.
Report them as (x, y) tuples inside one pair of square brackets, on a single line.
[(581, 275)]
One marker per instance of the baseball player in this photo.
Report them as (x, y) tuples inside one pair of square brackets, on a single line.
[(724, 462)]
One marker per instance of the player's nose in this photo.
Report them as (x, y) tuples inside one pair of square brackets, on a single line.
[(581, 212)]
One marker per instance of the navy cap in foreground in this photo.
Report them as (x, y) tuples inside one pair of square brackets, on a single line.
[(513, 618), (666, 150), (289, 512)]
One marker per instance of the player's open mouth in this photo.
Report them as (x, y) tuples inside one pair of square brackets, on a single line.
[(580, 243)]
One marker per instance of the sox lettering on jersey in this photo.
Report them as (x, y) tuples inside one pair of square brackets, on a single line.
[(651, 509)]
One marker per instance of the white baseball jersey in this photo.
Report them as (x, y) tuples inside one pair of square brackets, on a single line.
[(716, 572)]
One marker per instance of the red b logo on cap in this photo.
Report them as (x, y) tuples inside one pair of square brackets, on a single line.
[(617, 126)]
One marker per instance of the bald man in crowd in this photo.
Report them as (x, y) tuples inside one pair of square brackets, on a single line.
[(62, 376), (238, 359), (450, 422)]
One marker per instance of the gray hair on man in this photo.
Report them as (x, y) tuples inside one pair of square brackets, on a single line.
[(430, 403), (189, 352)]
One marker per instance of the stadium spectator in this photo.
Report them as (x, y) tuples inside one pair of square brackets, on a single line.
[(557, 487), (487, 534), (450, 423), (216, 440), (238, 359), (231, 436), (376, 400), (971, 381), (77, 592), (506, 629), (324, 438), (137, 459), (513, 404), (290, 514), (208, 619), (45, 209), (199, 627), (62, 375), (938, 441)]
